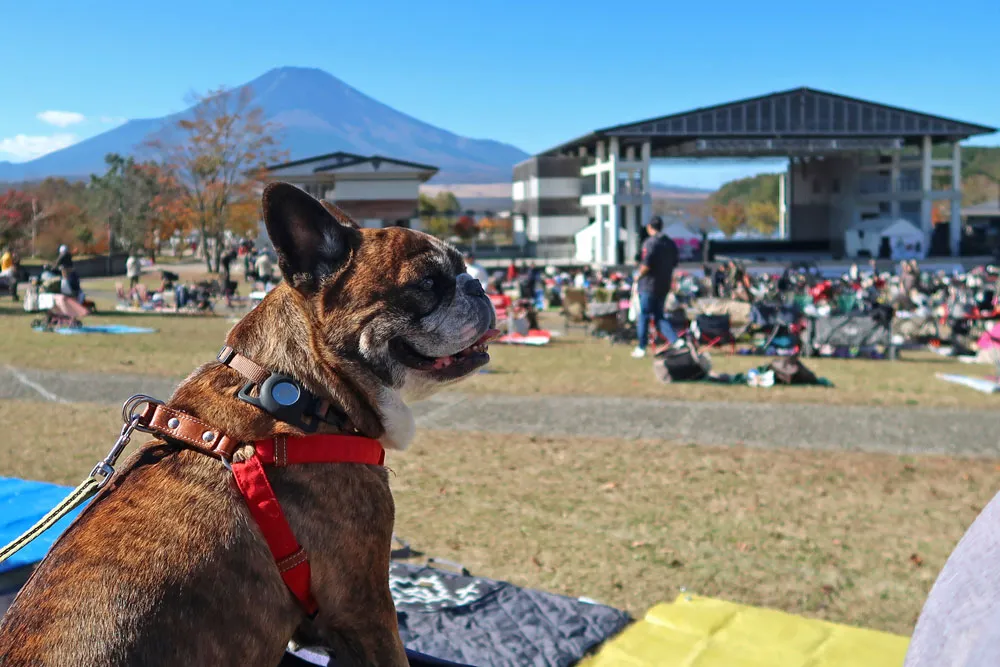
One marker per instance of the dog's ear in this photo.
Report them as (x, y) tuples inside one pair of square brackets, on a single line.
[(311, 243), (338, 214)]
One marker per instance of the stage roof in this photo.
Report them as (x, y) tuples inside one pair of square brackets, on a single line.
[(791, 122)]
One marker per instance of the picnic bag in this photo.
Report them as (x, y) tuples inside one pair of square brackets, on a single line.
[(680, 364), (789, 370)]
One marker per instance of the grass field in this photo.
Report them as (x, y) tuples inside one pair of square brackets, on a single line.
[(850, 537), (573, 365), (846, 536)]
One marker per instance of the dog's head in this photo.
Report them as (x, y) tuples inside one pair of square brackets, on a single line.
[(393, 303)]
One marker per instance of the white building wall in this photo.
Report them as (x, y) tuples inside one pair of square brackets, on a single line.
[(541, 227), (375, 189), (532, 228), (517, 190), (552, 188)]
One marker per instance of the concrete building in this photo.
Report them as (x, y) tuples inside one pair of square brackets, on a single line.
[(849, 161), (982, 227), (376, 191), (546, 204)]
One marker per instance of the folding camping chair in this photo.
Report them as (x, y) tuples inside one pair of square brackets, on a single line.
[(777, 322), (574, 308), (65, 313), (711, 330)]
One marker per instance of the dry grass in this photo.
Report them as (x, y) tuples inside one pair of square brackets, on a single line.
[(180, 345), (574, 365), (578, 366), (850, 537), (55, 443)]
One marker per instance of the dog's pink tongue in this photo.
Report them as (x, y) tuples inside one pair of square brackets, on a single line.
[(442, 362)]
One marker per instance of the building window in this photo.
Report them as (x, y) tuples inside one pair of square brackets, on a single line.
[(836, 185), (817, 186)]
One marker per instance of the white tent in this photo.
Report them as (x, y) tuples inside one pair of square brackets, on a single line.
[(586, 244), (905, 239)]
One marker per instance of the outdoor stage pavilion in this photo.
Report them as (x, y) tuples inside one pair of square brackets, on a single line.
[(849, 161)]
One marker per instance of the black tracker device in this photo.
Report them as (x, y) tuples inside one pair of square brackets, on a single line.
[(285, 399)]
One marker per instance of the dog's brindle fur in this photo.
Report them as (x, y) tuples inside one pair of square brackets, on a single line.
[(166, 566)]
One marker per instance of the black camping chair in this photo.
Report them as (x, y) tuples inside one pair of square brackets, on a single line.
[(776, 322), (711, 330)]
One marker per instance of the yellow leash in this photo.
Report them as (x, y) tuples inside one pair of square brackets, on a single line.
[(79, 496), (98, 477)]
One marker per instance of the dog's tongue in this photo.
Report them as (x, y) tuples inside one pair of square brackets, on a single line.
[(444, 362)]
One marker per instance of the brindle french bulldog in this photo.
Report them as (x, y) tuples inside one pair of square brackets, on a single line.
[(167, 567)]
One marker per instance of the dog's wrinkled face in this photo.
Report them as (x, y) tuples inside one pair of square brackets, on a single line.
[(395, 301)]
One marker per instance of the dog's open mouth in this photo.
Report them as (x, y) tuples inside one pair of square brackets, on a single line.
[(453, 366)]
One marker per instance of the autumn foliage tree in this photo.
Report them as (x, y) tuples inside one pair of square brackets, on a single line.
[(763, 217), (218, 157), (15, 216), (466, 228), (729, 217)]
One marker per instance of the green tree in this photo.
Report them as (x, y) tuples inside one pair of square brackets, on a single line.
[(438, 226), (759, 188), (446, 203), (763, 217), (426, 206), (124, 196), (729, 217)]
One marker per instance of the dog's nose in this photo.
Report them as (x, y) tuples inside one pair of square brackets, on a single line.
[(474, 288)]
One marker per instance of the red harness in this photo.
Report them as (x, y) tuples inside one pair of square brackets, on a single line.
[(251, 479), (266, 511)]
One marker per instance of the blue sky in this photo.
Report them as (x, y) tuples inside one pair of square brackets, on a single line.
[(533, 74)]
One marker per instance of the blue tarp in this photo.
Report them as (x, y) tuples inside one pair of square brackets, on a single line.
[(101, 328), (22, 503)]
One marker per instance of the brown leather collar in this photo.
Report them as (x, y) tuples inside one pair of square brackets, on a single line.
[(164, 421), (282, 396)]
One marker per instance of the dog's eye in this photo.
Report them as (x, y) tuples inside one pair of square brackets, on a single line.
[(426, 284)]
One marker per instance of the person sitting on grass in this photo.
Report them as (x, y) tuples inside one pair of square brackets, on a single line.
[(9, 270)]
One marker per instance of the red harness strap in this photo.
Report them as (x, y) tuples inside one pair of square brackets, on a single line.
[(266, 511)]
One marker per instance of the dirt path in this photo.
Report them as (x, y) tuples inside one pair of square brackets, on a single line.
[(898, 430)]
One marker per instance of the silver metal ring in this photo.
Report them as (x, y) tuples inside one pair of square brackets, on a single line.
[(131, 407)]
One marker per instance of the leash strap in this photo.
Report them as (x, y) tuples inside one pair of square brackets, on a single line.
[(98, 477), (79, 496)]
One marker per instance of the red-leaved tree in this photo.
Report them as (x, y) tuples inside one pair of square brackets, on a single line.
[(15, 216), (466, 228)]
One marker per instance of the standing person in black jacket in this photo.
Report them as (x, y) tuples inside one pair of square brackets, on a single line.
[(655, 278)]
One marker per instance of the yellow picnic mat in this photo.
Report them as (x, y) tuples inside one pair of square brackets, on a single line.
[(702, 632)]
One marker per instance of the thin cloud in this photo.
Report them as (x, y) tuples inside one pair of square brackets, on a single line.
[(61, 118), (25, 147), (113, 120)]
